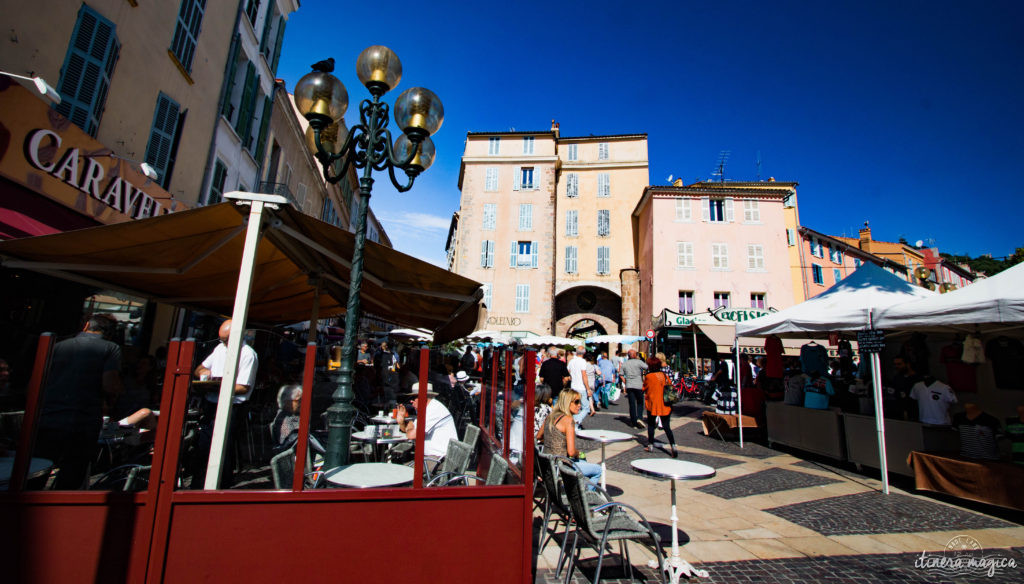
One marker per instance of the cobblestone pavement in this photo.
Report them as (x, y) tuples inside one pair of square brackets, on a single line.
[(778, 515)]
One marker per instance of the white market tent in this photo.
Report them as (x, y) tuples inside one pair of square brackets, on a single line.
[(849, 305), (988, 305)]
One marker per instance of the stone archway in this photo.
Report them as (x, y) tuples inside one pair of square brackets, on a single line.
[(563, 324), (585, 302), (585, 327)]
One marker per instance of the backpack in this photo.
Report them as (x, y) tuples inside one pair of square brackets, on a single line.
[(669, 394)]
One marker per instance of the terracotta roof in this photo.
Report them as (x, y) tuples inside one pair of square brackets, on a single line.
[(604, 137), (510, 133)]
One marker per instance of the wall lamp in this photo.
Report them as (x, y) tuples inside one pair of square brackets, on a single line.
[(42, 86)]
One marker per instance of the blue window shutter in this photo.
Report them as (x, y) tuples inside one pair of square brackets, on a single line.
[(534, 248), (161, 135), (88, 65), (243, 125), (514, 253), (277, 44), (268, 23), (186, 31)]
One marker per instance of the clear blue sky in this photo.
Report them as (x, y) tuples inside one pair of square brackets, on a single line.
[(905, 114)]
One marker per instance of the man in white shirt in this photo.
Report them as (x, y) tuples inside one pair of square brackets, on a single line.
[(439, 425), (579, 383), (213, 368)]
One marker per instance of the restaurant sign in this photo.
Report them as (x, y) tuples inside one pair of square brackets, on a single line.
[(44, 152), (669, 318)]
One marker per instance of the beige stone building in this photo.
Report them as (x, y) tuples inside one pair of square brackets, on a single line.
[(544, 223)]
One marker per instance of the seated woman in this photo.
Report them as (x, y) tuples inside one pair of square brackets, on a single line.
[(284, 430), (559, 435)]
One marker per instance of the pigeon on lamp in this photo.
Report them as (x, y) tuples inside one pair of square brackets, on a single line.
[(325, 66)]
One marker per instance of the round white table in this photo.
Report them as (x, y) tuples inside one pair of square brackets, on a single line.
[(675, 469), (385, 419), (370, 474), (604, 437), (36, 468), (378, 438)]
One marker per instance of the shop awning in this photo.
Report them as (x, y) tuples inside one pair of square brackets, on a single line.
[(723, 336), (191, 259)]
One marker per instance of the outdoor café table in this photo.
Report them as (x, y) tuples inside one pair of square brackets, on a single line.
[(378, 438), (675, 469), (370, 474), (385, 419), (37, 467), (604, 437)]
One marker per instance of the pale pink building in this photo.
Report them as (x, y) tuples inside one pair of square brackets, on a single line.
[(715, 244)]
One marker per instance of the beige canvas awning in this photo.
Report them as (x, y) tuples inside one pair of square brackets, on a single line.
[(723, 336), (191, 259)]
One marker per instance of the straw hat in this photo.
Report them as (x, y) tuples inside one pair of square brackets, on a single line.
[(430, 389), (461, 376)]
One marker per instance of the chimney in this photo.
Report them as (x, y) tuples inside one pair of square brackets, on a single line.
[(554, 128), (865, 234), (678, 182)]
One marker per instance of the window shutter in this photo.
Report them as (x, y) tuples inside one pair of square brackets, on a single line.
[(268, 24), (225, 109), (791, 237), (161, 135), (705, 209), (513, 254), (517, 180), (85, 76), (729, 211), (277, 43), (243, 124), (268, 106), (483, 254), (534, 249)]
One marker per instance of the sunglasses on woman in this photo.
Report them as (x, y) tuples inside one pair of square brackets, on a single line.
[(576, 402)]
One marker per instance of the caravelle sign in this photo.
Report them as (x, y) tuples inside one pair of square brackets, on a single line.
[(118, 193), (504, 320)]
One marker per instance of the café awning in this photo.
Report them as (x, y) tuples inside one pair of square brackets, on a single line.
[(191, 259)]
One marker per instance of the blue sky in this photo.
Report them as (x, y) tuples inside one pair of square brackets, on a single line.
[(905, 114)]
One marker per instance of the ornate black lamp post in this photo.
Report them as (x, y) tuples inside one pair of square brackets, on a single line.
[(322, 98)]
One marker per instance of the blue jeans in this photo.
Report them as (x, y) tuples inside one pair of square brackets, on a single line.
[(584, 407), (591, 471)]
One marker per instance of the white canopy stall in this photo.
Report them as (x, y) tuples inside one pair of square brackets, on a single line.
[(847, 306)]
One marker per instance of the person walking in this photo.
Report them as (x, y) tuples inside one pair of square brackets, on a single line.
[(577, 367), (654, 389), (633, 375)]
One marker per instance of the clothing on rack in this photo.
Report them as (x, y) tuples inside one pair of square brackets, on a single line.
[(814, 358), (773, 357), (961, 376), (1006, 355)]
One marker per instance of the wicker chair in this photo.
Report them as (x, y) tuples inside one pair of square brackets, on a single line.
[(556, 503), (600, 525), (454, 463), (472, 435), (496, 475)]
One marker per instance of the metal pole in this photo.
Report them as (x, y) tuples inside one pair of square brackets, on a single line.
[(696, 358), (341, 412), (739, 391), (238, 316), (876, 382)]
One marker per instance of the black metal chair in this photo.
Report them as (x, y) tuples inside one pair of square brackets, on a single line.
[(556, 503), (600, 525), (496, 475)]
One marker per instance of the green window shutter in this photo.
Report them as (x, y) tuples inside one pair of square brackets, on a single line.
[(267, 25), (277, 44), (216, 195), (186, 31), (225, 109), (88, 66), (243, 125), (264, 126), (161, 136)]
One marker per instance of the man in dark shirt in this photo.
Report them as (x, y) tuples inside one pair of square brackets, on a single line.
[(554, 372), (896, 399), (84, 370)]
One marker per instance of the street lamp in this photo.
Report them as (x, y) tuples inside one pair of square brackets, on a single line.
[(323, 99)]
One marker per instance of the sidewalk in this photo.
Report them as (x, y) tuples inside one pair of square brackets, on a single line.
[(770, 516)]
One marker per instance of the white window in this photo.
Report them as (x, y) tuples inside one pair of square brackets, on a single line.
[(526, 217), (684, 254), (487, 253), (492, 145), (602, 151), (522, 298), (527, 144), (838, 274), (570, 259), (487, 296), (836, 255), (755, 258), (791, 236), (757, 300), (604, 259), (721, 300), (524, 179), (574, 153), (686, 301), (683, 211), (490, 216), (523, 254), (572, 224), (816, 249), (572, 184), (491, 182), (751, 212), (716, 211), (604, 223), (719, 256), (604, 185)]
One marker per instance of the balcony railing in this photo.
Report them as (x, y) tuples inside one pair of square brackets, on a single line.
[(273, 188)]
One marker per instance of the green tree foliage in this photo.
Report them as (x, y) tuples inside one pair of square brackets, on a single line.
[(987, 265)]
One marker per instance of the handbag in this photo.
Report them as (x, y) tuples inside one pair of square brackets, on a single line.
[(670, 395)]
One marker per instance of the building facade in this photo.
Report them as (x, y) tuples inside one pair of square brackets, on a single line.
[(712, 245), (544, 223)]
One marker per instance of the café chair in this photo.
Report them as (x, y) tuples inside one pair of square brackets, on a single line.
[(127, 478), (556, 503), (597, 526), (454, 463), (282, 467), (471, 436), (496, 475)]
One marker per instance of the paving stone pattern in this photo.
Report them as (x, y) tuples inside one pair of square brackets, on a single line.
[(765, 481), (620, 462), (874, 513), (692, 434), (862, 569)]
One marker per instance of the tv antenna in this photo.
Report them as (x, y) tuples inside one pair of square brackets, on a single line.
[(758, 166), (719, 172)]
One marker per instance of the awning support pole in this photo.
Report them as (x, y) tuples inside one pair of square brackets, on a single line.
[(739, 391), (876, 384), (238, 317)]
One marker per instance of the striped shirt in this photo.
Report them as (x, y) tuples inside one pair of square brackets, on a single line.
[(977, 436)]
